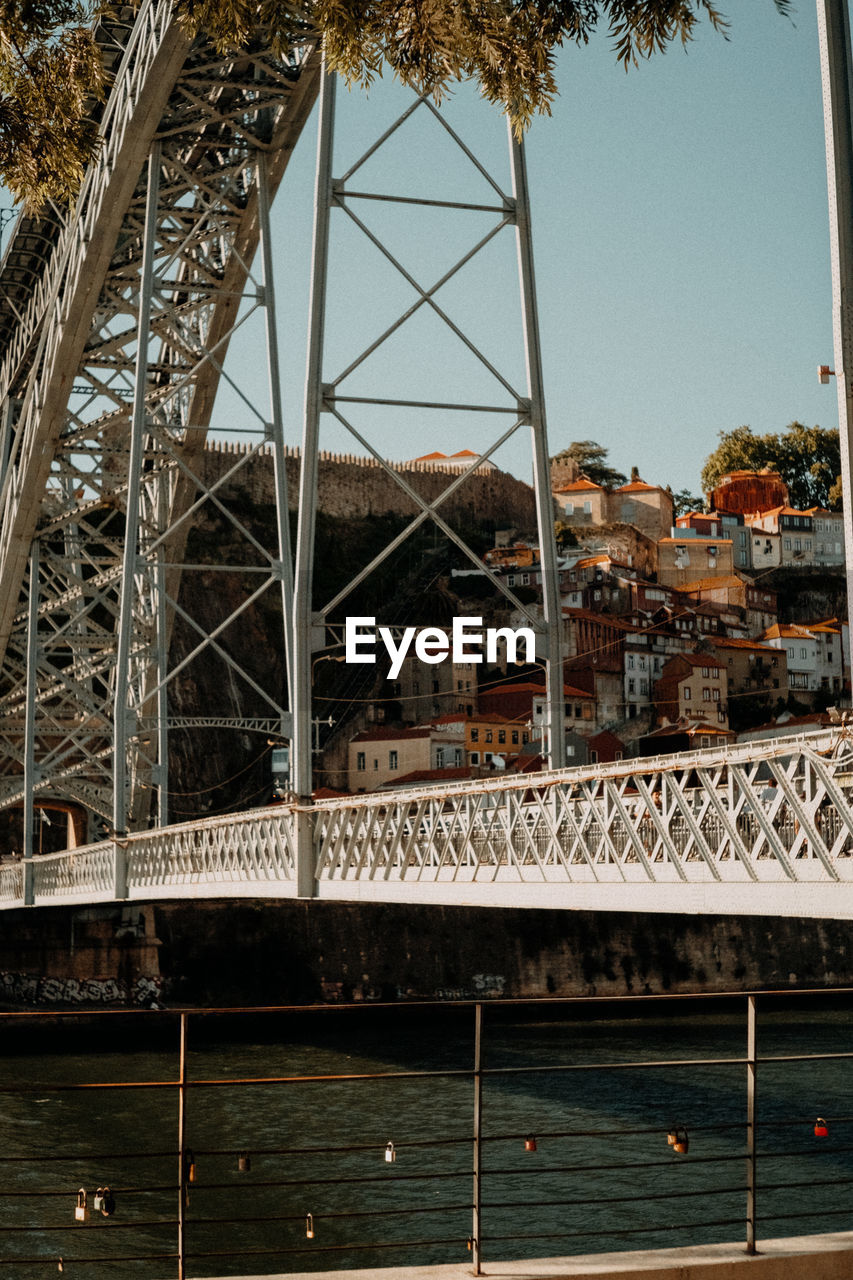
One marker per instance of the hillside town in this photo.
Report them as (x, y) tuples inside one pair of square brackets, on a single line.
[(679, 632)]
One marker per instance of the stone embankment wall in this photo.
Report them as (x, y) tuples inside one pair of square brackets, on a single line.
[(352, 487), (210, 953)]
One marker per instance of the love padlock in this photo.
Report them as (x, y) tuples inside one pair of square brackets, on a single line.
[(98, 1202), (81, 1210), (108, 1203), (390, 1153)]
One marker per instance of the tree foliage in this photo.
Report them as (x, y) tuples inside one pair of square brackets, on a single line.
[(684, 501), (591, 459), (49, 65), (807, 458), (50, 75)]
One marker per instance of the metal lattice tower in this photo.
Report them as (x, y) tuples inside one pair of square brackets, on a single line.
[(104, 431), (116, 320)]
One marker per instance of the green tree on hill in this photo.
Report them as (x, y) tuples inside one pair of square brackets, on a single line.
[(807, 458), (591, 459), (50, 67)]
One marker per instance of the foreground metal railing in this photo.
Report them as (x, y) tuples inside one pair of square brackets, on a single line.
[(420, 1134), (765, 827)]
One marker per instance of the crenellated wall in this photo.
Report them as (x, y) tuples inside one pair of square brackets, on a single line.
[(353, 487)]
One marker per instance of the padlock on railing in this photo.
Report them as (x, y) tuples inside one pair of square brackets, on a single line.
[(244, 1162), (530, 1143), (108, 1204), (98, 1202), (677, 1139), (81, 1209), (390, 1153), (821, 1128)]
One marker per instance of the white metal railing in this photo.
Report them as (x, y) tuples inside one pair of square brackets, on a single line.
[(738, 825)]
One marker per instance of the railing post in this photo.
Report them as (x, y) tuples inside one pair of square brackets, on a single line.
[(750, 1124), (182, 1168), (478, 1117)]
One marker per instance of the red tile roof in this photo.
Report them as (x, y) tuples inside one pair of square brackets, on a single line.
[(575, 486), (386, 733), (637, 486), (733, 642)]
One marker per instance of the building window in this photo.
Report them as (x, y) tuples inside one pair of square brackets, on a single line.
[(716, 695), (704, 740), (501, 735), (376, 765), (475, 757), (593, 757), (360, 762), (525, 737), (688, 693), (488, 735), (475, 735), (510, 582), (706, 694), (515, 737), (787, 544), (630, 662), (488, 757), (632, 686), (587, 507), (393, 760), (804, 653), (439, 757), (525, 579), (706, 672)]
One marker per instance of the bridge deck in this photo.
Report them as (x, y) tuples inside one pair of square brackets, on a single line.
[(765, 828)]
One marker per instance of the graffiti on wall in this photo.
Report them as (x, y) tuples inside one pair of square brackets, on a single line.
[(32, 988)]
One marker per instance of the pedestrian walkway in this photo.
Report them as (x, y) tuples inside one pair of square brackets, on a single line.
[(824, 1257)]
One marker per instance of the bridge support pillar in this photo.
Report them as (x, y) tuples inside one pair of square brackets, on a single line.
[(306, 879), (29, 724), (833, 22), (124, 721)]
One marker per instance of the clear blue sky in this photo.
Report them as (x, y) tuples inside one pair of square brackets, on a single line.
[(682, 253)]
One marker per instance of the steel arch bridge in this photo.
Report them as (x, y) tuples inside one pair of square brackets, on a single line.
[(115, 322)]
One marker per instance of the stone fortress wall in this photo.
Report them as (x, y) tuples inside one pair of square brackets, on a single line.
[(352, 487)]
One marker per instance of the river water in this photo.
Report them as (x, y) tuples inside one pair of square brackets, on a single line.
[(602, 1175)]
